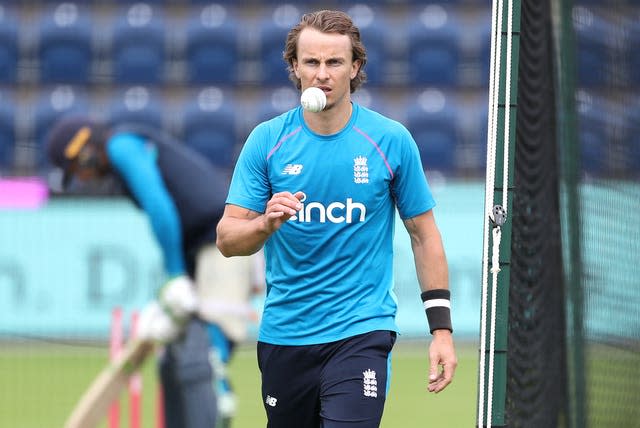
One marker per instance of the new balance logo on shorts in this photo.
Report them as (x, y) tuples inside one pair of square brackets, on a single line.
[(370, 383), (271, 401)]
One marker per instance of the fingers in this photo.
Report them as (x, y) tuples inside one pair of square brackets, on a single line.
[(443, 363), (280, 208), (448, 371), (433, 370), (440, 380), (284, 204)]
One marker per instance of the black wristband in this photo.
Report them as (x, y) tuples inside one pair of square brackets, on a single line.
[(437, 305)]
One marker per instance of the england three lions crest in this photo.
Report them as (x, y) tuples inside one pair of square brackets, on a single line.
[(370, 383), (360, 170)]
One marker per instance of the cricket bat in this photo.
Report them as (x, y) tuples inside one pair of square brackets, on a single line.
[(107, 386)]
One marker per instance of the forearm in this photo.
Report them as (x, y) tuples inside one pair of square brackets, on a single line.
[(136, 165), (242, 232), (428, 252), (431, 264), (433, 277), (240, 236)]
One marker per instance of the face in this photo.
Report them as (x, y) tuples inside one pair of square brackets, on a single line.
[(324, 60), (87, 165)]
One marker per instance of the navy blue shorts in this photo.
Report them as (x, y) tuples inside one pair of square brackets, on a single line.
[(337, 384)]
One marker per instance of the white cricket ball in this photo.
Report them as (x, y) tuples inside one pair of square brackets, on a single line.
[(313, 99)]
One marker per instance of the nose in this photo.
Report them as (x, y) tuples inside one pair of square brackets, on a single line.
[(323, 72)]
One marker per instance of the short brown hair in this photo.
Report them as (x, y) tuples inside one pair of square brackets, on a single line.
[(327, 21)]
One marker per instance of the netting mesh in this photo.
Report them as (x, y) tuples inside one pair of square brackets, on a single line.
[(576, 233), (536, 354), (606, 93)]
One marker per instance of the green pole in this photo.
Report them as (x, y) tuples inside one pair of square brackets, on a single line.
[(569, 153), (499, 381)]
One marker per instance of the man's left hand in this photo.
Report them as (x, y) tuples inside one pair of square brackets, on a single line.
[(443, 361)]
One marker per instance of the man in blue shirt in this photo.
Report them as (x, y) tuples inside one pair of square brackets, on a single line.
[(319, 191), (183, 197)]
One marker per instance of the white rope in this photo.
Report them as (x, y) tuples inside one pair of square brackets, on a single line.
[(497, 232), (490, 186)]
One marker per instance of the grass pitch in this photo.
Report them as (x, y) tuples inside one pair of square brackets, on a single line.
[(39, 385)]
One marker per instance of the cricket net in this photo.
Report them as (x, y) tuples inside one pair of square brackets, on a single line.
[(573, 354)]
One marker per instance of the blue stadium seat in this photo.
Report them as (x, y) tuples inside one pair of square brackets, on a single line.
[(65, 51), (483, 50), (208, 2), (7, 131), (50, 105), (593, 123), (432, 121), (277, 101), (434, 47), (136, 105), (299, 2), (370, 21), (9, 48), (345, 4), (151, 2), (632, 53), (212, 48), (138, 45), (473, 117), (209, 126), (369, 98), (273, 29), (594, 38)]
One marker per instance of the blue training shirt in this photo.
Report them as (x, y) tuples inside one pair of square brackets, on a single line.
[(329, 269)]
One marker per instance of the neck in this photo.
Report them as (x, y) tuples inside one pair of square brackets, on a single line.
[(329, 121)]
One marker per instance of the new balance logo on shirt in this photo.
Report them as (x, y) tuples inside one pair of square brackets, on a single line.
[(292, 169)]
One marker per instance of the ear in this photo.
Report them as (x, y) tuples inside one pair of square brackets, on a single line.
[(294, 65), (355, 68)]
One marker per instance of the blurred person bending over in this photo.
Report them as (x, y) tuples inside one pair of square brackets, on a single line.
[(182, 194), (319, 191)]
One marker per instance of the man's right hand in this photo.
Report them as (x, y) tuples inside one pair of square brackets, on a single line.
[(280, 208)]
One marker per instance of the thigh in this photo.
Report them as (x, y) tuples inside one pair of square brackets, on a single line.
[(187, 379), (290, 385), (354, 381)]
